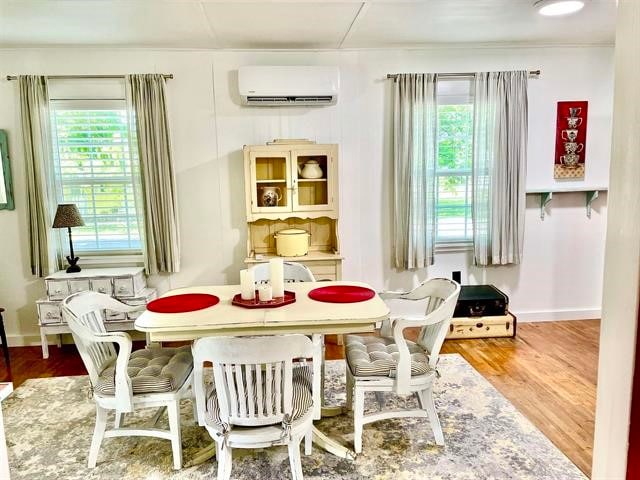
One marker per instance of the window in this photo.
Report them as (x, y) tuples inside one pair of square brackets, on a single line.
[(453, 170), (96, 168)]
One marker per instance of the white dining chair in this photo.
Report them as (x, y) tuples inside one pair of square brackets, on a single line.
[(126, 381), (293, 272), (390, 363), (258, 398)]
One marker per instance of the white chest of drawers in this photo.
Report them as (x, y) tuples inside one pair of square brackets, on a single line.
[(127, 284)]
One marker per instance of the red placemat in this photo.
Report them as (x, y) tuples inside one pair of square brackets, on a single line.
[(342, 294), (186, 302)]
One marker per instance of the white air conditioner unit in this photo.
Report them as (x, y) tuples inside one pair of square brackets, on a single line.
[(288, 86)]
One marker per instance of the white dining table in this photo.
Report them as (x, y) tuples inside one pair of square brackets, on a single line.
[(305, 316)]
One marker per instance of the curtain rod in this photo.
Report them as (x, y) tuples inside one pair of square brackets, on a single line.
[(63, 77), (532, 73)]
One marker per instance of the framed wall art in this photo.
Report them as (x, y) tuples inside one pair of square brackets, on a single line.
[(571, 140), (6, 186)]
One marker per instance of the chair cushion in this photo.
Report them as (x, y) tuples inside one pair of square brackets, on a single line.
[(301, 398), (151, 370), (378, 356)]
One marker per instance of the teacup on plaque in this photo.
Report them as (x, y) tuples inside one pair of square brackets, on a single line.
[(572, 147), (574, 122), (575, 111), (570, 135), (570, 159)]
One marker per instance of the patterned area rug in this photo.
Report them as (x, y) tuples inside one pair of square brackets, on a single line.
[(49, 423)]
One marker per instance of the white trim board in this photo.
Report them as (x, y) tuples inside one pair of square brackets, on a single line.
[(33, 340), (557, 315)]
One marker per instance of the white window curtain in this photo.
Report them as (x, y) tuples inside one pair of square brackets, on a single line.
[(499, 167), (159, 198), (414, 157), (44, 253)]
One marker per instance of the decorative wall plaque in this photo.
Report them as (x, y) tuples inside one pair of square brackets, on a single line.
[(571, 140)]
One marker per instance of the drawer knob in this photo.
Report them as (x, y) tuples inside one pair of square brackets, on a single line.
[(49, 315), (101, 290), (57, 291), (122, 288)]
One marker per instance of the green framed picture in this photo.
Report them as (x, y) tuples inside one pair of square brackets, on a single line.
[(6, 187)]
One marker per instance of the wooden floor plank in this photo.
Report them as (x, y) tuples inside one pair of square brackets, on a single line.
[(548, 372)]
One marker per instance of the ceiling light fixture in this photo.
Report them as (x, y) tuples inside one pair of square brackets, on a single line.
[(553, 8)]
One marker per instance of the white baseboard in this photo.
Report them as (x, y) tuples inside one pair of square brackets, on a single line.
[(34, 339), (24, 340), (556, 315)]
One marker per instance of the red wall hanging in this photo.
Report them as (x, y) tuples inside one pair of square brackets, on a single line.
[(571, 140)]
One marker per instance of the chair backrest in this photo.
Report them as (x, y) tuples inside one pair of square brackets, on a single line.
[(437, 298), (443, 296), (84, 313), (293, 272), (252, 376)]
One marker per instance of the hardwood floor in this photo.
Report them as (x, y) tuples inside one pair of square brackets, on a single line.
[(548, 372)]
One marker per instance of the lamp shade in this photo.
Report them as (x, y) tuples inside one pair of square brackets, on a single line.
[(67, 215)]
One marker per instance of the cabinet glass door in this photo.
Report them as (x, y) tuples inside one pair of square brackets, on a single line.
[(270, 181), (312, 172)]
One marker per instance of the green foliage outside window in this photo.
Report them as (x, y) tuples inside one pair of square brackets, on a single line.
[(455, 151)]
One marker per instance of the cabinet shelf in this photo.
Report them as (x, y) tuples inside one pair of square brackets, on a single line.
[(304, 180), (310, 257), (275, 180)]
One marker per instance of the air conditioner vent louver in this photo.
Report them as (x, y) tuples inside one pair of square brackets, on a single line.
[(267, 99), (297, 100), (264, 86)]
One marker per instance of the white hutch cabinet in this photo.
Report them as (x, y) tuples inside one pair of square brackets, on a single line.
[(278, 196)]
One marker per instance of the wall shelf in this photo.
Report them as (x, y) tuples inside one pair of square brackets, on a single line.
[(546, 194)]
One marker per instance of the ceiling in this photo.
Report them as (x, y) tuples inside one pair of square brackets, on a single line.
[(296, 24)]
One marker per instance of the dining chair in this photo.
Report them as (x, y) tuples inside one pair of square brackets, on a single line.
[(293, 272), (390, 363), (125, 381), (258, 397)]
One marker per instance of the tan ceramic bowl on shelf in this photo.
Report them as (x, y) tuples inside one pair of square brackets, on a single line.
[(292, 242)]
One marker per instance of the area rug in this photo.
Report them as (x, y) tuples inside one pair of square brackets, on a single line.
[(49, 423)]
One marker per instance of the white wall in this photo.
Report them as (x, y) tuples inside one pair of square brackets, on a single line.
[(561, 276)]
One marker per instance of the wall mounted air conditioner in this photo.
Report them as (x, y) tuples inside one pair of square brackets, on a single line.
[(267, 86)]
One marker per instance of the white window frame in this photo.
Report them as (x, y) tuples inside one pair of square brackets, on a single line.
[(102, 257), (447, 244)]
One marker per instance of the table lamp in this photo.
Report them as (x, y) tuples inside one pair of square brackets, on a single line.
[(68, 216)]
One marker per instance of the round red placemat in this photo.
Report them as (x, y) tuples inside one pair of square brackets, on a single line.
[(342, 294), (186, 302)]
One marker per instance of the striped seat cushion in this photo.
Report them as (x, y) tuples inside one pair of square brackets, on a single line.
[(301, 401), (151, 370), (378, 356)]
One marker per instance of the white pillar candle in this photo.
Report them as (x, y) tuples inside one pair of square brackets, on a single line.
[(265, 293), (247, 285), (276, 273)]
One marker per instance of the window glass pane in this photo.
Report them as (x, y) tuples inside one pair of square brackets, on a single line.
[(94, 169), (455, 150)]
